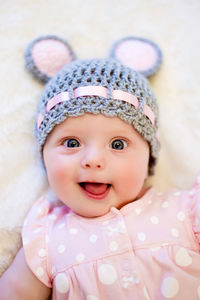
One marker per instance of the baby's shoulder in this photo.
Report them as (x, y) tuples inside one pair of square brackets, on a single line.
[(178, 198), (46, 212)]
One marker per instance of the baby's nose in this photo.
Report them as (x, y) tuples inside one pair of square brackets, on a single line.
[(93, 159), (92, 165)]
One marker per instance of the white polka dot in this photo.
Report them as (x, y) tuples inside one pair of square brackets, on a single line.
[(149, 201), (61, 248), (154, 220), (138, 211), (177, 193), (135, 277), (182, 258), (52, 217), (25, 241), (192, 192), (61, 226), (160, 193), (40, 211), (37, 230), (42, 252), (40, 272), (91, 297), (122, 226), (181, 216), (105, 223), (142, 236), (113, 246), (146, 295), (154, 249), (198, 291), (175, 232), (165, 204), (73, 231), (80, 257), (47, 239), (62, 283), (93, 238), (164, 244), (170, 287), (107, 274), (53, 270)]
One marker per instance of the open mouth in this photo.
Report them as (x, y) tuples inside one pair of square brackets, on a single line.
[(95, 190)]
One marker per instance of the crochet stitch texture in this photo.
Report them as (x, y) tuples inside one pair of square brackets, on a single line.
[(106, 73)]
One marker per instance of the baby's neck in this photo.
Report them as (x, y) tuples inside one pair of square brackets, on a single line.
[(143, 192)]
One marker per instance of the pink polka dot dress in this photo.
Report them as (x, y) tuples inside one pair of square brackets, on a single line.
[(149, 249)]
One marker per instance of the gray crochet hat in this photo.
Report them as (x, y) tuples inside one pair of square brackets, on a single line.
[(96, 86)]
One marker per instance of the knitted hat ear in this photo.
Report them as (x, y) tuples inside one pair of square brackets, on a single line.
[(45, 56), (139, 54)]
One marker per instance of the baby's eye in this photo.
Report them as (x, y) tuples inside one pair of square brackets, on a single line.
[(71, 143), (119, 144)]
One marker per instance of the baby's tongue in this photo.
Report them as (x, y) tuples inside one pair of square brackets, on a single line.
[(95, 188)]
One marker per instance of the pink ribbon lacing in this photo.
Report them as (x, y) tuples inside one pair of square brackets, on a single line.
[(100, 91)]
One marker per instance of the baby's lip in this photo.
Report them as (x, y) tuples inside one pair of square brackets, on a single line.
[(95, 189)]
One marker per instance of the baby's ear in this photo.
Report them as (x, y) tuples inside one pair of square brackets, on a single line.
[(45, 56), (137, 53)]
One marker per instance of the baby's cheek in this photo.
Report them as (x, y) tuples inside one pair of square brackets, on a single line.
[(133, 177), (129, 181), (56, 173)]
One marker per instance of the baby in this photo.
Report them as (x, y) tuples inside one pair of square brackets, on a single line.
[(109, 236)]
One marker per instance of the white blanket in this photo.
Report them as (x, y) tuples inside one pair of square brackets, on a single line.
[(91, 27)]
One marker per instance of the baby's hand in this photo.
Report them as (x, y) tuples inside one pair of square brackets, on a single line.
[(19, 283)]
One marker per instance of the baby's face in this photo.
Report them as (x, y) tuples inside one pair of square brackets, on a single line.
[(95, 162)]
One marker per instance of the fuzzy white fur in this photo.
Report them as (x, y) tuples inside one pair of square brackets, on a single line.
[(91, 27)]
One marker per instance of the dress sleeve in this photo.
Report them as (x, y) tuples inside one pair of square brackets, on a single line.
[(195, 209), (35, 240)]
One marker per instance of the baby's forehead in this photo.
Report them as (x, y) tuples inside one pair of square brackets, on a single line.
[(94, 125), (86, 119)]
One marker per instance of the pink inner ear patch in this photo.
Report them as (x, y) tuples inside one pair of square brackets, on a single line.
[(136, 54), (50, 56)]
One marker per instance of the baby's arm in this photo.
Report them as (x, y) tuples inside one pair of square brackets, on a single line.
[(19, 283)]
